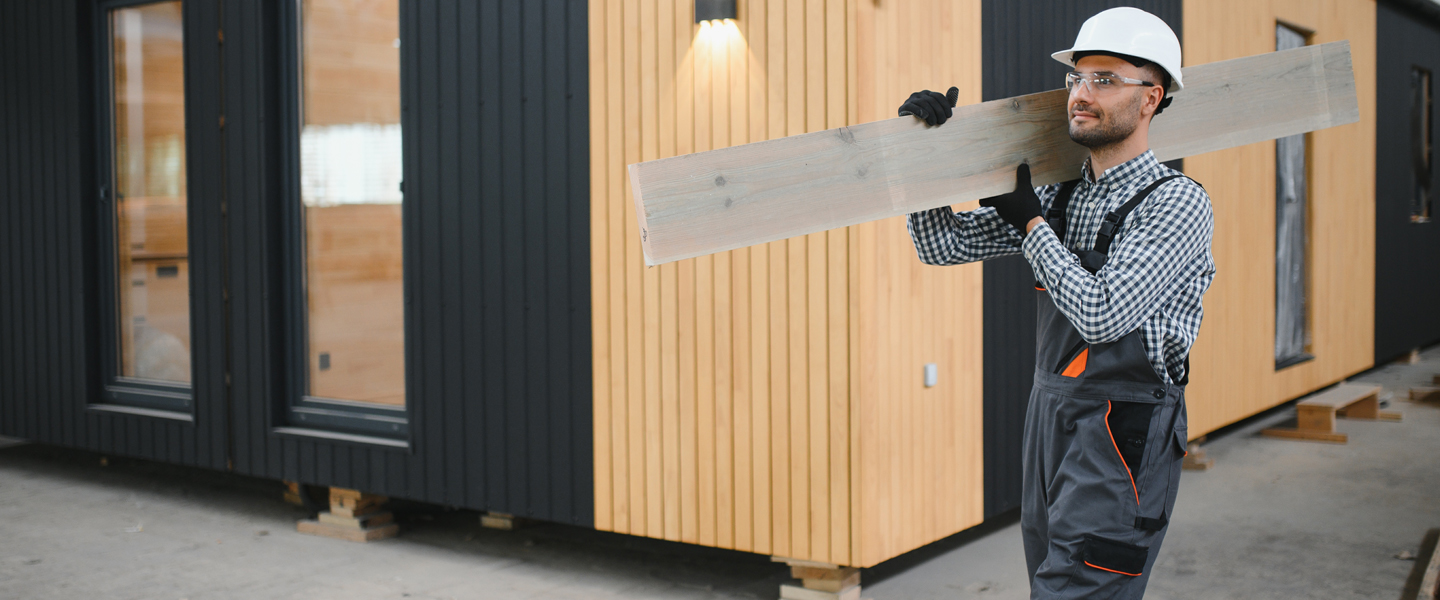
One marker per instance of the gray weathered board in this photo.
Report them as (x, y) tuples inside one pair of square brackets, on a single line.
[(734, 197)]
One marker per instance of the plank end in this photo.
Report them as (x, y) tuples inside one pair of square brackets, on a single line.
[(634, 172)]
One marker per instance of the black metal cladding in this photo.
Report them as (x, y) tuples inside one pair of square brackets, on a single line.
[(1407, 255), (495, 114), (48, 257), (495, 110), (1018, 38)]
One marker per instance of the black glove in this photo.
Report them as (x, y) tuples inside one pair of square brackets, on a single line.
[(1019, 207), (930, 106)]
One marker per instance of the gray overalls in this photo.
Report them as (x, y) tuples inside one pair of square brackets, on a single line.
[(1104, 435)]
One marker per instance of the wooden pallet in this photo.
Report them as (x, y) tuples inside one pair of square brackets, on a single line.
[(1425, 394), (1315, 416), (501, 521), (354, 516), (820, 581)]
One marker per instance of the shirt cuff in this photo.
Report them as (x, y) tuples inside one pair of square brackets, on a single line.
[(1045, 253)]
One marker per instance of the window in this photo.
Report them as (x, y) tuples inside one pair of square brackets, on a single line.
[(1292, 176), (345, 214), (143, 238), (1422, 143)]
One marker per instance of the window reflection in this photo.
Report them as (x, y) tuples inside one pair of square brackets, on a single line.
[(152, 266), (350, 170)]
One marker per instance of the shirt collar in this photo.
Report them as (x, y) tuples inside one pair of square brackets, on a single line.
[(1123, 172)]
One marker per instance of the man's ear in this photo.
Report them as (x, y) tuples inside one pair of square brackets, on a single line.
[(1154, 95)]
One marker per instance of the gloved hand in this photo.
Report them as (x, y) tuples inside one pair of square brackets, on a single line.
[(930, 106), (1019, 207)]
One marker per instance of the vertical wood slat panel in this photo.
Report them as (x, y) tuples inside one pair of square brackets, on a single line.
[(726, 387), (1233, 359), (917, 474)]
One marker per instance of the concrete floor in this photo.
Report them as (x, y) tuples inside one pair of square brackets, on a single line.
[(1273, 519)]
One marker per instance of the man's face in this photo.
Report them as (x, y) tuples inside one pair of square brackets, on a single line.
[(1099, 119)]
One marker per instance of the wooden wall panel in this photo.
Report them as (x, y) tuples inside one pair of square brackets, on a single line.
[(722, 383), (920, 472), (726, 385), (1233, 359)]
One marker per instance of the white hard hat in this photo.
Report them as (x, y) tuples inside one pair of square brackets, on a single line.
[(1132, 32)]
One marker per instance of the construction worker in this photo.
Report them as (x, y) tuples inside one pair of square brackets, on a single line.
[(1121, 259)]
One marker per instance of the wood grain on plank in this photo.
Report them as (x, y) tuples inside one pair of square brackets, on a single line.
[(735, 197)]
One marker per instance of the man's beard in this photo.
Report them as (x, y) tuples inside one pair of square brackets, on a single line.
[(1109, 131)]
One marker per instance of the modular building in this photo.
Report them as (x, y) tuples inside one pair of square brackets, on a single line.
[(389, 245)]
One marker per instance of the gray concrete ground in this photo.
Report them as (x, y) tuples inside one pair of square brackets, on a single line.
[(1273, 519)]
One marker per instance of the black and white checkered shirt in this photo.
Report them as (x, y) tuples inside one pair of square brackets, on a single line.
[(1159, 264)]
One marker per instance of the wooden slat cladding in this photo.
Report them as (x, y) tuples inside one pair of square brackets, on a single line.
[(728, 387), (718, 380), (1233, 360), (920, 451)]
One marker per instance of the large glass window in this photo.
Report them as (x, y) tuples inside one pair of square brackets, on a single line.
[(350, 199), (1422, 143), (145, 225), (1292, 175)]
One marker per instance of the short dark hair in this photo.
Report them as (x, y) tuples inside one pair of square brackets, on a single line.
[(1157, 74)]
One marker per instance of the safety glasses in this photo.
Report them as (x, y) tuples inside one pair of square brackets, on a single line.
[(1100, 83)]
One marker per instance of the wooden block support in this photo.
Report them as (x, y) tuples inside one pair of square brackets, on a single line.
[(1413, 358), (354, 516), (1436, 380), (340, 532), (501, 521), (1195, 459), (820, 581), (1425, 394), (1315, 416), (729, 198), (293, 493)]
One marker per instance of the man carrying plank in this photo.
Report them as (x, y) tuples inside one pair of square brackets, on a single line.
[(1121, 259)]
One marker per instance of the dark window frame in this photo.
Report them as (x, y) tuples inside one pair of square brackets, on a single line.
[(1306, 353), (300, 409), (1422, 200), (116, 389)]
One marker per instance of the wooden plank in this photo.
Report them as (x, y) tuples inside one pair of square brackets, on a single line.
[(742, 523), (345, 533), (709, 202), (1342, 395), (599, 268), (634, 288), (1305, 434), (1430, 581), (615, 217)]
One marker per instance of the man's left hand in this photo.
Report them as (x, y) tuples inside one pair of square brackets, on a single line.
[(1020, 207)]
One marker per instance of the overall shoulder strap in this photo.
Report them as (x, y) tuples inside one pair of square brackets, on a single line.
[(1116, 218), (1055, 217)]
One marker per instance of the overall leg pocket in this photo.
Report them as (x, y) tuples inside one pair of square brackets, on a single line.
[(1113, 556), (1128, 424)]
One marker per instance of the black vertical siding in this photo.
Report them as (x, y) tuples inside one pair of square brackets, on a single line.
[(1018, 38), (48, 200), (1407, 255), (496, 222), (495, 114)]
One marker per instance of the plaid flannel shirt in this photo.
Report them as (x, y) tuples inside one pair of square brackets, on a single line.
[(1158, 268)]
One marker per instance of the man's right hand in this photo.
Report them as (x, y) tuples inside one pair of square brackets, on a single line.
[(929, 106)]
